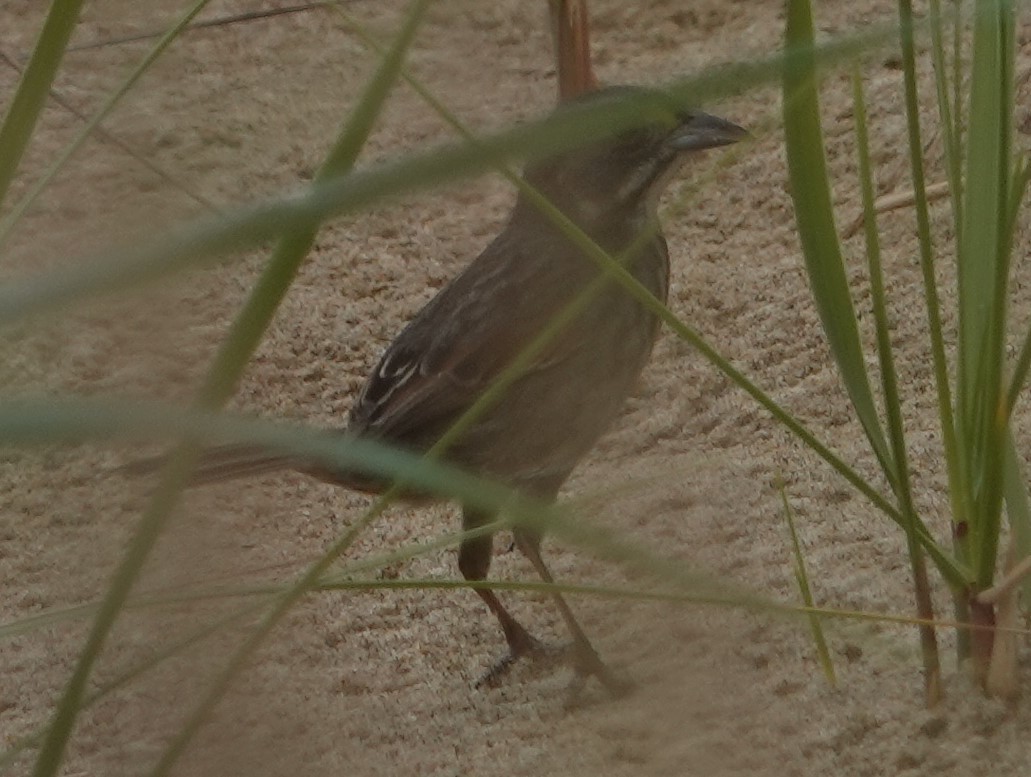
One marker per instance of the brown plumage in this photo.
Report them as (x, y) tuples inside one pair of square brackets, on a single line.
[(455, 347)]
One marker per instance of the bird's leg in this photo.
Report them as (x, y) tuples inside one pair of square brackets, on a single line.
[(586, 661), (474, 556)]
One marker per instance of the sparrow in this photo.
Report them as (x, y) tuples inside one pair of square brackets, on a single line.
[(551, 415)]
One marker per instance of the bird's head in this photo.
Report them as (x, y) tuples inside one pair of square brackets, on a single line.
[(624, 174)]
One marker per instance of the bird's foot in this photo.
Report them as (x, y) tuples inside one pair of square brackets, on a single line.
[(587, 663), (526, 646)]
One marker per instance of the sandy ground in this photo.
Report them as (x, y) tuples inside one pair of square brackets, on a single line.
[(381, 683)]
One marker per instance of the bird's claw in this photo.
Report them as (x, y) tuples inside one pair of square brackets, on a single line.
[(587, 663), (531, 647)]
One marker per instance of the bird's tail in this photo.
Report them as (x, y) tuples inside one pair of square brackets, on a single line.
[(225, 462), (229, 462)]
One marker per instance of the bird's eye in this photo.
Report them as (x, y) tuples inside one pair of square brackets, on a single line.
[(635, 146)]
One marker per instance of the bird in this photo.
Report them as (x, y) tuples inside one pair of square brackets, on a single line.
[(557, 407)]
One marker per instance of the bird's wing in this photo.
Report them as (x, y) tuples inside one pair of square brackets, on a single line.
[(454, 349), (414, 390)]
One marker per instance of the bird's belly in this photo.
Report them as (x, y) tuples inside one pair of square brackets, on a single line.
[(551, 417)]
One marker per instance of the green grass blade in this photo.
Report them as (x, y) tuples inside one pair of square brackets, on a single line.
[(228, 366), (295, 244), (814, 213), (140, 157), (983, 272), (802, 578), (201, 243), (686, 333), (51, 420), (958, 493), (889, 375), (251, 324), (174, 648), (12, 218), (893, 403), (40, 295), (947, 109), (34, 87), (957, 76), (69, 704)]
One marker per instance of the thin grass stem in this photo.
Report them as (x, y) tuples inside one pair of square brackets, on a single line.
[(33, 88), (802, 578), (9, 221), (893, 403)]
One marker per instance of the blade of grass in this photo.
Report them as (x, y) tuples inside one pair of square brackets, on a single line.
[(802, 578), (171, 650), (343, 584), (198, 244), (102, 134), (1018, 507), (825, 266), (805, 156), (700, 587), (11, 219), (263, 219), (946, 109), (36, 296), (34, 86), (1011, 189), (253, 320), (893, 402), (983, 271), (958, 494), (680, 328), (219, 21), (48, 420), (957, 76), (69, 704), (229, 363)]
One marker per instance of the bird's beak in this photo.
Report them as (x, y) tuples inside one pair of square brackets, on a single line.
[(703, 130)]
